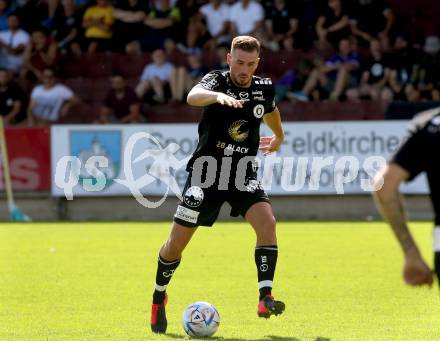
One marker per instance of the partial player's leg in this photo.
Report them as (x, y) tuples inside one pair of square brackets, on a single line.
[(169, 260), (436, 243), (261, 217)]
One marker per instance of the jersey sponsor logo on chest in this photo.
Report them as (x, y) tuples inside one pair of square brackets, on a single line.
[(232, 148)]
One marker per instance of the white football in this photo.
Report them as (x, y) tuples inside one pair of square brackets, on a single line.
[(200, 319)]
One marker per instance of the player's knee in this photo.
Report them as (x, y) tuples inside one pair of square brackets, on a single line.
[(268, 231)]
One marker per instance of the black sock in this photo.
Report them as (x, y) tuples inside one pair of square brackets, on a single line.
[(437, 265), (266, 261), (165, 270)]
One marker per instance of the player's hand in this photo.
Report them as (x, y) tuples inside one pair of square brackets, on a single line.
[(416, 271), (224, 99), (270, 144)]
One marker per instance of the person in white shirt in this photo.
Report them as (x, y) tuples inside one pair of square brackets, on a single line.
[(217, 15), (12, 45), (155, 76), (246, 17), (49, 101)]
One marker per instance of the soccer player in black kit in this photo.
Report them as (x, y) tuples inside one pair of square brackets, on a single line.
[(418, 153), (235, 102)]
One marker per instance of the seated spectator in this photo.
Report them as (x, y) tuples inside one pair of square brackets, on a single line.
[(98, 23), (4, 12), (128, 28), (155, 77), (121, 105), (40, 53), (333, 77), (67, 32), (161, 22), (332, 25), (13, 43), (12, 100), (281, 25), (375, 77), (246, 18), (293, 80), (216, 15), (184, 78), (425, 78), (49, 101), (371, 19), (308, 13), (33, 13), (403, 63)]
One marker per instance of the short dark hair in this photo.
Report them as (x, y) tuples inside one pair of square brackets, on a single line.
[(246, 43)]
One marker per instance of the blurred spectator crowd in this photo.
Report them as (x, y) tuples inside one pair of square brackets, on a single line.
[(110, 60)]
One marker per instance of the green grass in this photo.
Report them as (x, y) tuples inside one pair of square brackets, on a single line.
[(340, 281)]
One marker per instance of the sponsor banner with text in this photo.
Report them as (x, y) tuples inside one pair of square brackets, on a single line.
[(29, 159)]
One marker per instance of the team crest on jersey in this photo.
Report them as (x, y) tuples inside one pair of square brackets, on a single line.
[(259, 110), (193, 196), (436, 121), (237, 132)]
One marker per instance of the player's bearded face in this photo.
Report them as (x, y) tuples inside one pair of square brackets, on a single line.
[(242, 65)]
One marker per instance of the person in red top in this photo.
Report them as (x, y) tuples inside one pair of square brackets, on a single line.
[(40, 54), (121, 104)]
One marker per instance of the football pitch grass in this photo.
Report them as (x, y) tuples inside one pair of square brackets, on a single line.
[(93, 281)]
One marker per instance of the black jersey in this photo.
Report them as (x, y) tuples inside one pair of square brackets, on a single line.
[(235, 132), (420, 152)]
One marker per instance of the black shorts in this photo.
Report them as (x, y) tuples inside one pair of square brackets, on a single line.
[(201, 206)]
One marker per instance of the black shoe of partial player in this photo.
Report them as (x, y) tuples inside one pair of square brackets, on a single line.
[(268, 306), (158, 317)]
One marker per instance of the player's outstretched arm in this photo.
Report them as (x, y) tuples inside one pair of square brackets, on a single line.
[(200, 97), (390, 204), (270, 144)]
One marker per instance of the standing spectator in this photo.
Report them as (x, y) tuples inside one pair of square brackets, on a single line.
[(40, 53), (338, 72), (67, 22), (49, 101), (121, 105), (184, 78), (375, 77), (281, 25), (371, 19), (156, 77), (13, 43), (216, 15), (332, 25), (161, 21), (12, 100), (98, 23)]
